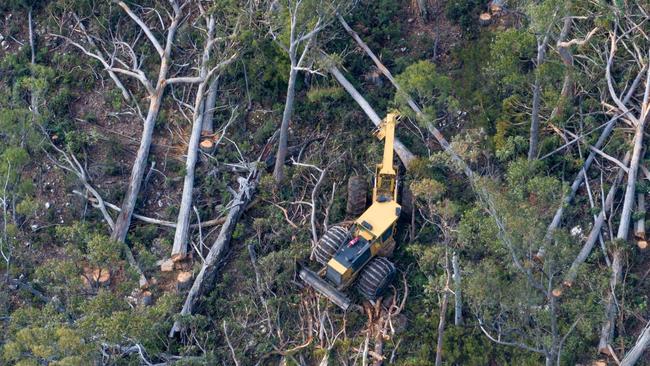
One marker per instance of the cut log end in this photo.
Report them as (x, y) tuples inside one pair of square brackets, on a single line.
[(485, 19), (599, 363), (557, 292), (183, 280), (642, 244), (206, 144), (167, 265)]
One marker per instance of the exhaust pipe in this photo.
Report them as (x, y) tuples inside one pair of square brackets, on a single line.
[(327, 290)]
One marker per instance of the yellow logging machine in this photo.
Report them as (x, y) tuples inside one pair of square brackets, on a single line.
[(358, 253)]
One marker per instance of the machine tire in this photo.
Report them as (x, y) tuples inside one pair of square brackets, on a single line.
[(406, 201), (329, 243), (375, 277), (357, 191)]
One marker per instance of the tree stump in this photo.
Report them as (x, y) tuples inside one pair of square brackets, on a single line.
[(183, 281), (485, 19), (167, 265)]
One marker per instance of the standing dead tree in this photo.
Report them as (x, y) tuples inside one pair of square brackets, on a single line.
[(638, 123), (301, 21), (202, 109)]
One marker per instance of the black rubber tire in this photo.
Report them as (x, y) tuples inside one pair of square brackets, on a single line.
[(375, 277), (329, 243), (357, 194), (406, 201)]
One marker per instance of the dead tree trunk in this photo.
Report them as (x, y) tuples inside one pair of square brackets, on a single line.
[(155, 95), (207, 131), (204, 280), (404, 154), (458, 299), (278, 170), (179, 250), (636, 352), (537, 97), (302, 31)]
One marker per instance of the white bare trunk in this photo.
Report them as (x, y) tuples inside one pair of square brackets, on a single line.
[(137, 173), (179, 249), (628, 201), (278, 170), (458, 298), (537, 97), (636, 352)]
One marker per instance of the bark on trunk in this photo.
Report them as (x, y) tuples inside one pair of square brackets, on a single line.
[(179, 249), (441, 327), (402, 151), (537, 97), (210, 103), (607, 331), (639, 347), (566, 95), (204, 280), (137, 173), (458, 299), (278, 170)]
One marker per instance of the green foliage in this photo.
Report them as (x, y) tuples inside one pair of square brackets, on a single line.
[(512, 52), (464, 13), (430, 88)]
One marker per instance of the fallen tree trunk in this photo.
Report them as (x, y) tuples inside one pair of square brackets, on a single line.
[(639, 347), (205, 278), (595, 231), (155, 97), (402, 151)]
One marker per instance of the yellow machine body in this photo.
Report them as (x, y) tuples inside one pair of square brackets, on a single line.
[(375, 227)]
